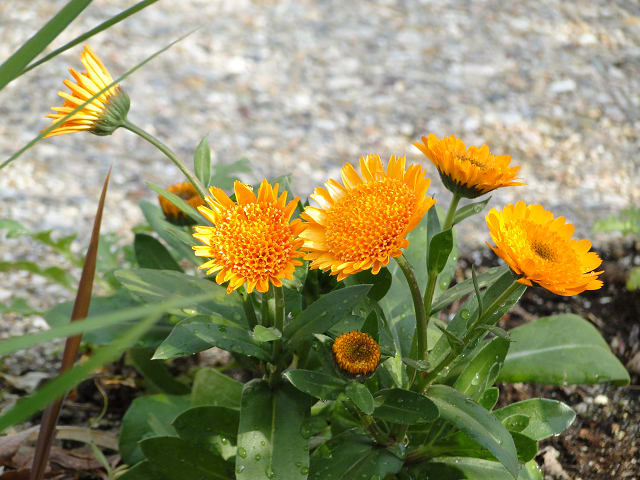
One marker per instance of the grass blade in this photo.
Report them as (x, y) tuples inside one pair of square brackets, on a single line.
[(80, 310), (80, 107), (94, 31), (13, 66)]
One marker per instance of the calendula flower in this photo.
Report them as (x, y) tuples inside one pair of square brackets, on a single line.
[(364, 223), (186, 192), (539, 249), (104, 114), (356, 353), (468, 172), (252, 240)]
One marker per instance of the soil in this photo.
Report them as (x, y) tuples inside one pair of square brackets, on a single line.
[(602, 443)]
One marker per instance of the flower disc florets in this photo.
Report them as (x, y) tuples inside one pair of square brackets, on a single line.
[(252, 240), (468, 172), (361, 225), (539, 249), (356, 353), (104, 114)]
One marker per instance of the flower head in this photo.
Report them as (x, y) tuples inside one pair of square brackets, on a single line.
[(252, 240), (364, 223), (186, 192), (104, 114), (539, 249), (356, 353), (468, 172)]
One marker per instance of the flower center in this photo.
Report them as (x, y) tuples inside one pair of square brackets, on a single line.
[(367, 221), (254, 241), (356, 352), (471, 160), (544, 251)]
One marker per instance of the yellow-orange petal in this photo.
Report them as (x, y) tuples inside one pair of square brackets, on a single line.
[(539, 249), (469, 172), (364, 223), (252, 240)]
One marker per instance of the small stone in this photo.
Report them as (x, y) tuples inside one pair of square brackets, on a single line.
[(601, 400)]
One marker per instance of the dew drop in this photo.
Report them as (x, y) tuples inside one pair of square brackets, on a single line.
[(242, 453), (304, 470), (476, 379), (465, 314), (258, 457), (240, 468), (222, 328)]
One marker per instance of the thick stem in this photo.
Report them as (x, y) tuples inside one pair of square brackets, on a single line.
[(169, 153), (279, 309), (418, 307), (249, 312), (471, 334), (448, 221)]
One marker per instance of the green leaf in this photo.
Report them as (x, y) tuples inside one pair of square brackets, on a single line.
[(380, 282), (527, 447), (270, 440), (179, 203), (350, 457), (55, 274), (141, 471), (81, 38), (27, 406), (476, 469), (201, 424), (546, 417), (469, 210), (263, 334), (516, 422), (175, 236), (92, 323), (155, 372), (210, 387), (214, 428), (322, 314), (148, 416), (202, 162), (13, 66), (466, 314), (466, 287), (224, 174), (482, 371), (360, 395), (152, 286), (181, 342), (221, 335), (633, 282), (489, 398), (150, 253), (317, 384), (476, 422), (194, 461), (439, 250), (19, 306), (404, 407), (561, 350)]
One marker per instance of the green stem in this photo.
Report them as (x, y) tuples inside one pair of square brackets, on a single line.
[(418, 307), (169, 153), (471, 334), (264, 309), (374, 430), (448, 222), (279, 313), (249, 312), (279, 324)]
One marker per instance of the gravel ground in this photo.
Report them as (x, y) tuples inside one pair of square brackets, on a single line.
[(301, 87)]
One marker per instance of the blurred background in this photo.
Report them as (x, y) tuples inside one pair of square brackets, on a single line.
[(302, 87)]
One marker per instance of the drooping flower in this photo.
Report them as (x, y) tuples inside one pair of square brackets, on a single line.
[(104, 114), (539, 249), (361, 225), (186, 192), (356, 353), (252, 240), (468, 172)]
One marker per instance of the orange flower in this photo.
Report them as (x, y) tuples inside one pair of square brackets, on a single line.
[(186, 192), (364, 223), (252, 240), (468, 172), (104, 114), (539, 249), (356, 353)]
